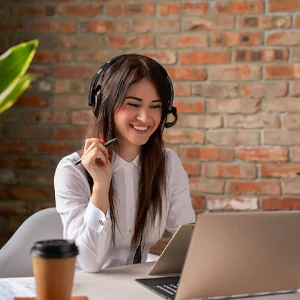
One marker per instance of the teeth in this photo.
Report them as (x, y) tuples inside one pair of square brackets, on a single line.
[(140, 128)]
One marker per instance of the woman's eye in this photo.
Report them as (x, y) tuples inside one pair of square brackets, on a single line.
[(133, 104), (156, 106)]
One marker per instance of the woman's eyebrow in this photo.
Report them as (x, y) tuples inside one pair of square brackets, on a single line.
[(139, 99)]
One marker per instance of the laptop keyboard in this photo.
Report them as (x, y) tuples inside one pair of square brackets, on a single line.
[(168, 288)]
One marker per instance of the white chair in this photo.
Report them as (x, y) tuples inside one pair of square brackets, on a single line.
[(15, 258)]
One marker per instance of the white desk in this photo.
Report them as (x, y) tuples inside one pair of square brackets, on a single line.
[(119, 283)]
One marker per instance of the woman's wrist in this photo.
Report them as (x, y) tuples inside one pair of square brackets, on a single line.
[(100, 197)]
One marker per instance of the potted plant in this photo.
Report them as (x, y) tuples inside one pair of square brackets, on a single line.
[(13, 65)]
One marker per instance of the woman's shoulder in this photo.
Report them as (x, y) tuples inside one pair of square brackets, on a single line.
[(69, 160), (171, 155)]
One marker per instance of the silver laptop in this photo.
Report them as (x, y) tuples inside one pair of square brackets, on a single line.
[(173, 256), (237, 254)]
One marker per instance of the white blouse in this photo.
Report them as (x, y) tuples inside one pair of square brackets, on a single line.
[(91, 228)]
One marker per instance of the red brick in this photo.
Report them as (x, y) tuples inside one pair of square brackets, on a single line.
[(232, 203), (156, 26), (215, 23), (204, 57), (295, 153), (32, 101), (261, 55), (280, 203), (186, 73), (13, 222), (82, 42), (13, 146), (38, 11), (104, 26), (218, 170), (54, 26), (91, 10), (230, 39), (70, 71), (70, 86), (30, 193), (54, 147), (284, 39), (182, 41), (291, 121), (183, 9), (253, 121), (70, 101), (265, 22), (283, 5), (135, 41), (281, 137), (207, 186), (295, 88), (239, 7), (22, 163), (192, 168), (130, 10), (216, 90), (198, 202), (264, 89), (12, 25), (48, 117), (38, 178), (279, 170), (297, 22), (282, 71), (242, 105), (189, 105), (164, 57), (254, 187), (199, 121), (232, 137), (14, 207), (26, 131), (295, 55), (52, 56), (262, 154), (291, 186), (42, 205), (235, 72), (69, 133), (207, 153), (183, 136), (281, 105), (82, 117), (182, 89)]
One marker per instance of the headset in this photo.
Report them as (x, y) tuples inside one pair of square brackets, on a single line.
[(95, 88)]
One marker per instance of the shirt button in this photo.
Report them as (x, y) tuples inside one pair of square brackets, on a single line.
[(101, 222), (129, 183)]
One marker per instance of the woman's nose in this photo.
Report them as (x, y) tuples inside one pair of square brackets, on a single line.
[(143, 116)]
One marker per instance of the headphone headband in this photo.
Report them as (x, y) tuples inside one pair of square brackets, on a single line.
[(94, 94)]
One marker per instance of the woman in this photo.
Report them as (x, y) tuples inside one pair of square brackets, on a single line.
[(119, 200)]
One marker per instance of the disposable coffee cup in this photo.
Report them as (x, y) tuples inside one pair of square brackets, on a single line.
[(53, 268)]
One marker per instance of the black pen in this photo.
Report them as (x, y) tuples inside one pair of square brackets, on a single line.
[(105, 145)]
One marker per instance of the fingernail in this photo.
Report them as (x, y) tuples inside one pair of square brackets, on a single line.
[(108, 154), (101, 141), (106, 162)]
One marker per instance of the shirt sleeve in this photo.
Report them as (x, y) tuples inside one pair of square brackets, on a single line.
[(82, 221), (180, 210)]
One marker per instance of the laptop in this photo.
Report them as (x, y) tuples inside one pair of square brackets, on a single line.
[(176, 248), (237, 254)]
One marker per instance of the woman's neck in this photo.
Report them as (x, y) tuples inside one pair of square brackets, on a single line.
[(128, 152)]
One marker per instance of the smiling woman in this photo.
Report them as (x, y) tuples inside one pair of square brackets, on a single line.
[(119, 201)]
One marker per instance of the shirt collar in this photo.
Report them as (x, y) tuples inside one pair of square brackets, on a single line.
[(119, 163)]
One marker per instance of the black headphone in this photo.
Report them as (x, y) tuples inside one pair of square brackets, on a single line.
[(95, 88)]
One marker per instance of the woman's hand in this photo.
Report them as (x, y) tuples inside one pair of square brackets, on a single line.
[(95, 160)]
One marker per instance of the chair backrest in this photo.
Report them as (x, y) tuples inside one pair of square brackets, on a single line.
[(15, 258)]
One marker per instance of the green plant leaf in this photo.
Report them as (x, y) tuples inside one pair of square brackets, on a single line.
[(19, 88), (15, 62)]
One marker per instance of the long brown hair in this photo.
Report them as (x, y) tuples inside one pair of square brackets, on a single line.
[(115, 82)]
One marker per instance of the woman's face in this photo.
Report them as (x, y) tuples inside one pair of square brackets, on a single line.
[(139, 116)]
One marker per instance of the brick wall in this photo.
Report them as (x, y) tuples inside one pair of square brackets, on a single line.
[(235, 66)]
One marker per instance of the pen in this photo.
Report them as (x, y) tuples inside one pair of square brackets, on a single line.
[(105, 145)]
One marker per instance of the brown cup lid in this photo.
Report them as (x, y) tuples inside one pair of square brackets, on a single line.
[(55, 249)]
